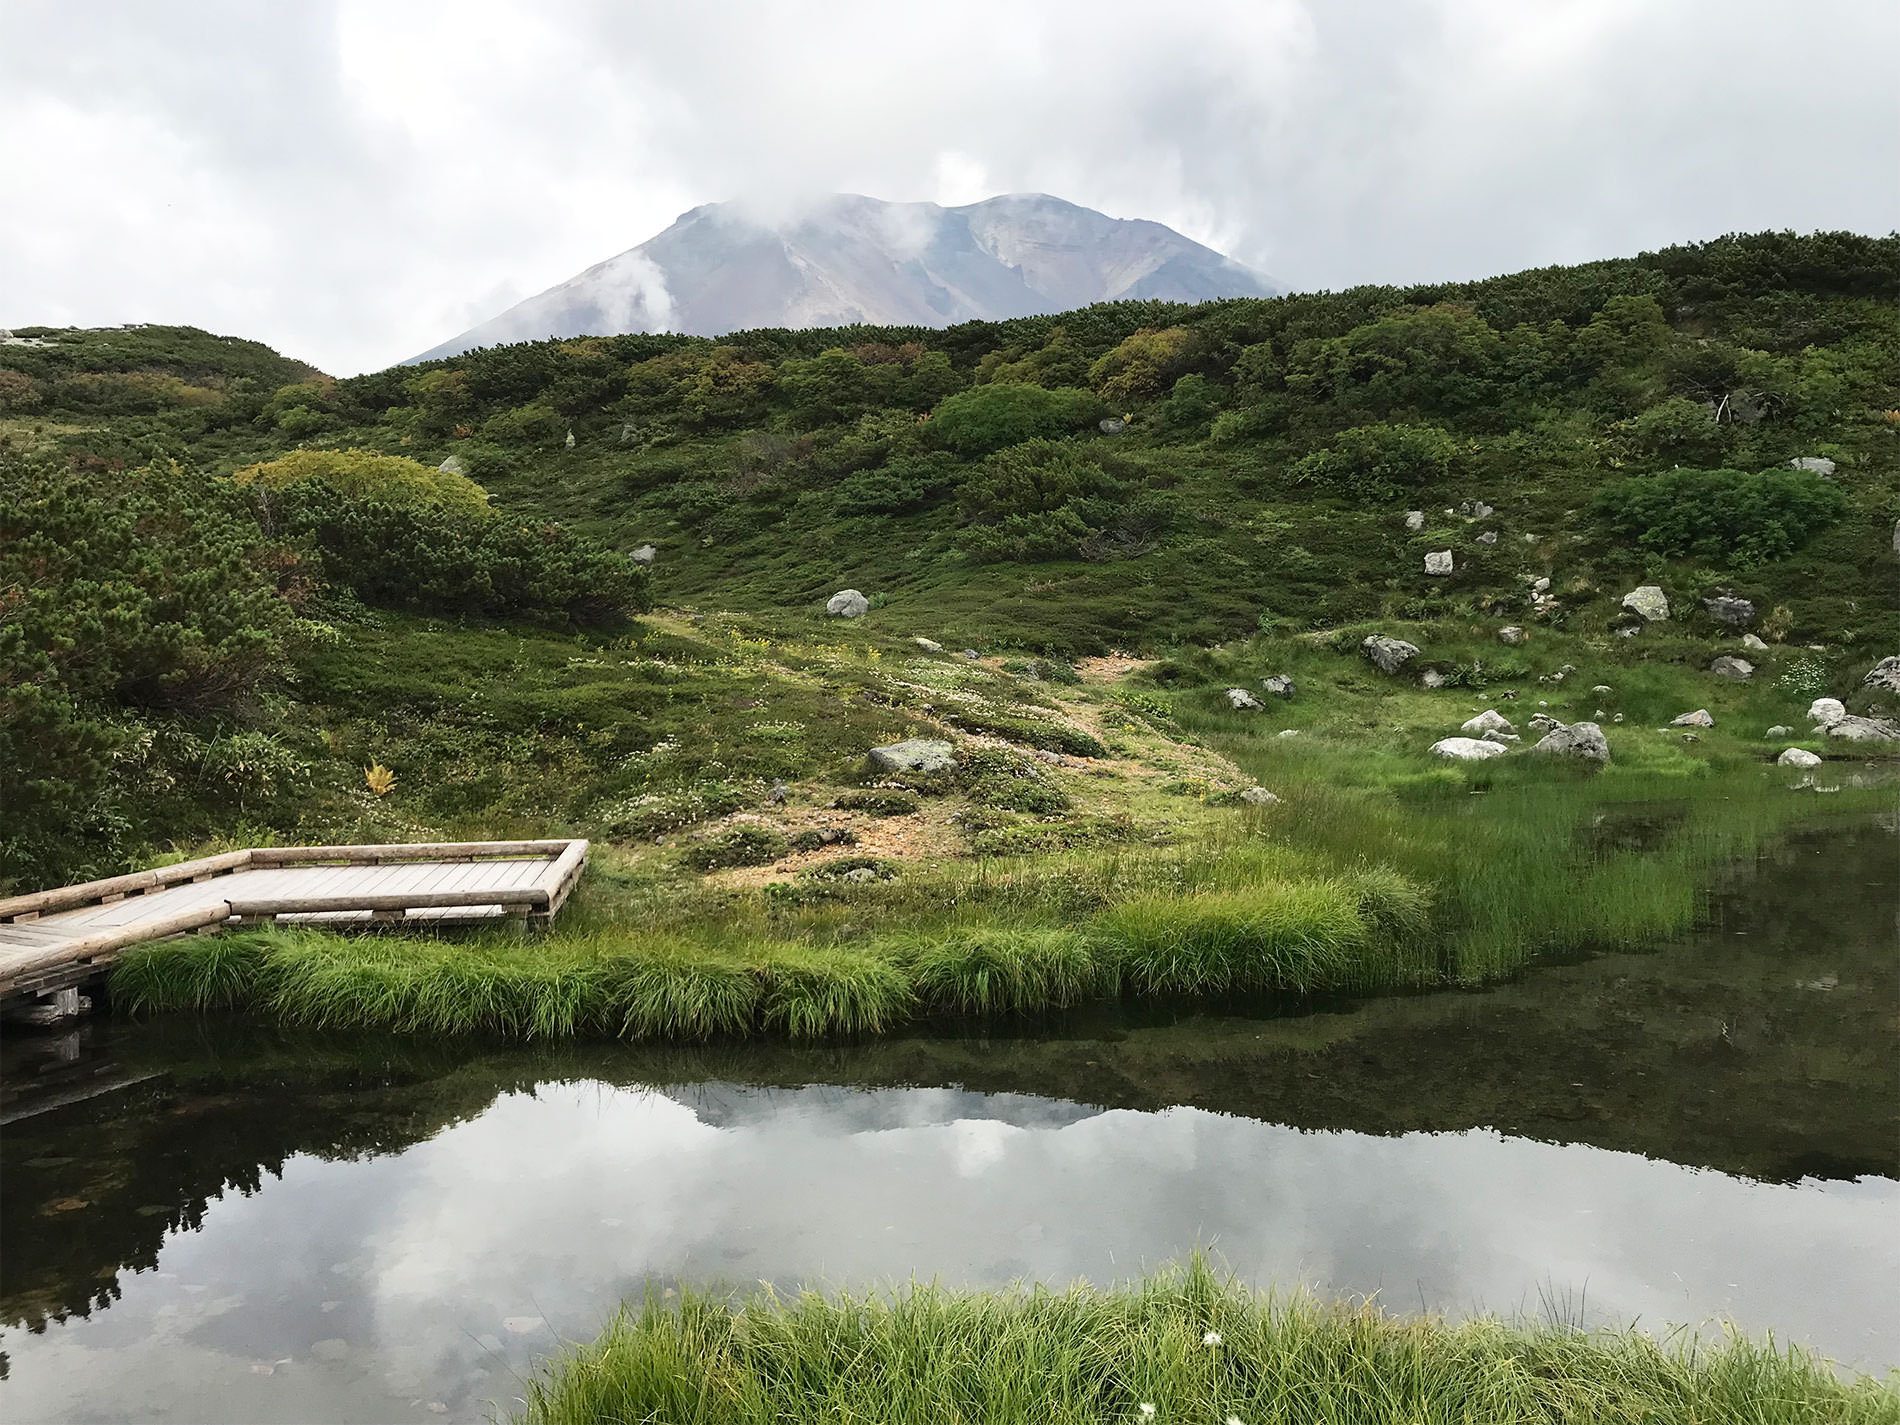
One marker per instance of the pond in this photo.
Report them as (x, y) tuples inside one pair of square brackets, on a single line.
[(205, 1220)]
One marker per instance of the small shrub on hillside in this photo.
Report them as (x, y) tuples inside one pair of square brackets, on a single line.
[(1720, 517), (368, 475), (818, 840), (1050, 736), (1378, 462), (741, 846), (987, 419), (1042, 838), (840, 867)]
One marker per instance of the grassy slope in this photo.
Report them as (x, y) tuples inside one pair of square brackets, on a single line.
[(1183, 1346)]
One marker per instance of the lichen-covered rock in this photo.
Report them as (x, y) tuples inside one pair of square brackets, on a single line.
[(847, 603), (1467, 749), (645, 555), (1797, 757), (1884, 675), (1279, 685), (1388, 655), (1699, 718), (1726, 608), (1438, 561), (1583, 740), (914, 754), (1817, 464), (1736, 670), (1511, 635), (1490, 720), (1648, 602), (1243, 701)]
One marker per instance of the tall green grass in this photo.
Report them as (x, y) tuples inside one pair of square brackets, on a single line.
[(1182, 1346)]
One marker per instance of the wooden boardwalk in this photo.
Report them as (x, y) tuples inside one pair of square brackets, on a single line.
[(53, 940)]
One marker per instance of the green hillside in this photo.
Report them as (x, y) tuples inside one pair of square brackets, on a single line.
[(347, 642)]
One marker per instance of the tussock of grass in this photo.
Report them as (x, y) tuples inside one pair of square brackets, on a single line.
[(811, 992), (677, 994), (1006, 969), (1144, 1351), (1293, 936)]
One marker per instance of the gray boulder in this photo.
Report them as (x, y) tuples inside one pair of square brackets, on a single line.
[(1481, 511), (1490, 720), (1495, 736), (1649, 602), (1736, 670), (1467, 749), (1259, 797), (1438, 561), (1753, 644), (1279, 685), (1511, 634), (1864, 729), (1111, 425), (1490, 536), (1388, 655), (1699, 718), (1778, 731), (1243, 701), (1433, 679), (1415, 521), (1884, 675), (1584, 740), (646, 554), (1818, 464), (1825, 712), (1797, 757), (1725, 608), (847, 603), (453, 466), (929, 645), (914, 754), (1543, 722)]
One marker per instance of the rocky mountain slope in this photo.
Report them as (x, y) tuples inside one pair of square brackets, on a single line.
[(849, 259)]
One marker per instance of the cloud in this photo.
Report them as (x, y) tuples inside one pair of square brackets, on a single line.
[(345, 179)]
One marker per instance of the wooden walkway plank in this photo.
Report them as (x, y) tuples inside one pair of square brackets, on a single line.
[(80, 928)]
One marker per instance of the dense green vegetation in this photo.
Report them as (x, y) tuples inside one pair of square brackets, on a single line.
[(190, 659), (1180, 1346)]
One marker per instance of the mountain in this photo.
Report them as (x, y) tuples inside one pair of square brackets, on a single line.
[(849, 259)]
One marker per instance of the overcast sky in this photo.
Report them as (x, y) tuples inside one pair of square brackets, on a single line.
[(356, 180)]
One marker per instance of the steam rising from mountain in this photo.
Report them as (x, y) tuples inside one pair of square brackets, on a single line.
[(724, 267)]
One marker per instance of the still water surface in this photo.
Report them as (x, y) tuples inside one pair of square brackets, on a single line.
[(206, 1221)]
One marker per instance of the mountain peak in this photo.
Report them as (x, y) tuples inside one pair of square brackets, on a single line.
[(845, 258)]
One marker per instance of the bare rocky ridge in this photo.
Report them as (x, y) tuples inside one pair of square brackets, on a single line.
[(848, 259)]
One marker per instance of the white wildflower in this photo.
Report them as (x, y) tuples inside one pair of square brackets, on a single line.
[(1212, 1338), (1147, 1410)]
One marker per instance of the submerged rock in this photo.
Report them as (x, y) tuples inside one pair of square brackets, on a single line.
[(847, 603), (1649, 602), (1467, 749), (1797, 757), (1584, 740), (1388, 655), (915, 754)]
